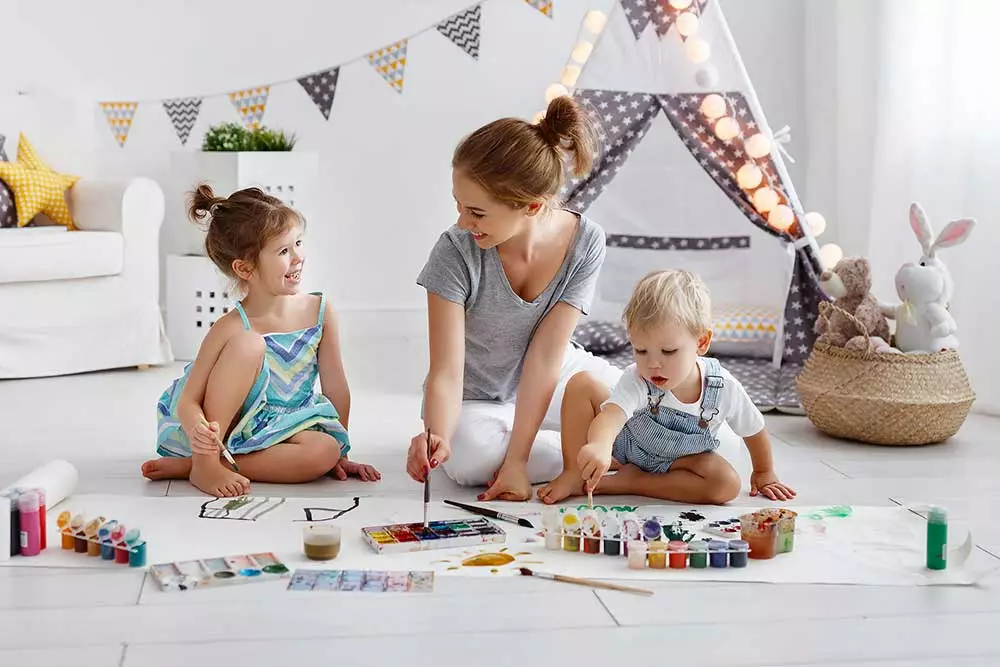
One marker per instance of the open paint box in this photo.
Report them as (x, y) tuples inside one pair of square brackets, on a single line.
[(406, 537)]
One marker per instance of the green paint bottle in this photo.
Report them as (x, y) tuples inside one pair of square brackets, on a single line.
[(937, 538)]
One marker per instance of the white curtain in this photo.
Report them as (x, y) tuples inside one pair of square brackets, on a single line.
[(915, 117)]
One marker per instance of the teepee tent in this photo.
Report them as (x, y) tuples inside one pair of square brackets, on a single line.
[(690, 175)]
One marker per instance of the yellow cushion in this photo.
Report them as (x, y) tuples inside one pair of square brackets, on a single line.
[(37, 187)]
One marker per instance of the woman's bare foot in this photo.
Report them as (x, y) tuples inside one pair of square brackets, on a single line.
[(167, 467), (568, 483), (211, 477)]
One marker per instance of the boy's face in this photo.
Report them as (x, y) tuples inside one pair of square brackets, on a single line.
[(666, 353)]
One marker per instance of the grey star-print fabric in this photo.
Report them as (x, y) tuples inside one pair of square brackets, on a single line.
[(640, 13), (321, 87), (678, 242)]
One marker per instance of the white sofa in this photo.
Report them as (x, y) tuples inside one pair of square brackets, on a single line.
[(87, 300)]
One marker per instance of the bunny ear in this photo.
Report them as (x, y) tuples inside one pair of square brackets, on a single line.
[(920, 226), (956, 232)]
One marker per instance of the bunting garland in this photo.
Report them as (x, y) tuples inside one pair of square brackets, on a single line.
[(544, 6), (119, 116), (250, 104), (463, 30), (390, 61), (183, 114), (321, 87)]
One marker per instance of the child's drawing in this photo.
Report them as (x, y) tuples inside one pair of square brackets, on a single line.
[(243, 508)]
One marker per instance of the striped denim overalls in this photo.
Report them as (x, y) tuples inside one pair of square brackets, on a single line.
[(654, 437)]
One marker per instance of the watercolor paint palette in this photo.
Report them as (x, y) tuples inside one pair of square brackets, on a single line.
[(406, 537), (377, 581), (220, 571)]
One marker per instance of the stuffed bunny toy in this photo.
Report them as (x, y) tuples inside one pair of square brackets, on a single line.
[(923, 323)]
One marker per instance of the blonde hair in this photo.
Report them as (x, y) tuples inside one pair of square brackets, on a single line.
[(674, 295)]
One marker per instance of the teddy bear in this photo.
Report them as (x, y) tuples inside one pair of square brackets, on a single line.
[(849, 284)]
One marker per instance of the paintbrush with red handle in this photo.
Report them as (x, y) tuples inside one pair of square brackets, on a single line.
[(528, 572)]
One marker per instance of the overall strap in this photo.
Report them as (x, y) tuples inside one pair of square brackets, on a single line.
[(243, 315), (322, 308), (712, 392)]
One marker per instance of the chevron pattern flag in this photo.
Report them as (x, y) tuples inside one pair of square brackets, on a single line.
[(183, 114), (463, 29), (250, 104), (321, 87), (390, 62), (544, 6), (119, 115)]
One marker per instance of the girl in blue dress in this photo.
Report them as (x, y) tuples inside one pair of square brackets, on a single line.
[(252, 383)]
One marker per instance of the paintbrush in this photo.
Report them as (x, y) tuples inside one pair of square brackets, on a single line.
[(427, 479), (486, 511), (225, 450), (528, 572)]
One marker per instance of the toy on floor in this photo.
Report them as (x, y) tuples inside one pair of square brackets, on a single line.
[(401, 538), (855, 311), (219, 571), (100, 537)]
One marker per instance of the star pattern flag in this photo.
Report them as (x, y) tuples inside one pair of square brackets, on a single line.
[(119, 116), (183, 114), (321, 87), (390, 62), (544, 6), (640, 13), (463, 30), (250, 104)]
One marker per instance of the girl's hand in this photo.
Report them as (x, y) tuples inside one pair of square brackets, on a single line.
[(511, 483), (205, 438), (346, 468), (417, 463)]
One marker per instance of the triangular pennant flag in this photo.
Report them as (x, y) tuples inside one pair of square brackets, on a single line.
[(3, 151), (250, 104), (183, 113), (119, 115), (390, 62), (320, 87), (463, 30), (544, 6)]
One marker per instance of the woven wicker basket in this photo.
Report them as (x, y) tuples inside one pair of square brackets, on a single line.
[(884, 398)]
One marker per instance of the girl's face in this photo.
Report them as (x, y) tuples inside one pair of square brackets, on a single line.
[(666, 354), (490, 222), (278, 269)]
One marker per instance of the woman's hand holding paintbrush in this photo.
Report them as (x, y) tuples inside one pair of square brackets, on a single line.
[(418, 462)]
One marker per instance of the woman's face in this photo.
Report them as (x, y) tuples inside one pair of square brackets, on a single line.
[(490, 222)]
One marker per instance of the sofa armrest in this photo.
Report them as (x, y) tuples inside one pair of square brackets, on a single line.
[(133, 208)]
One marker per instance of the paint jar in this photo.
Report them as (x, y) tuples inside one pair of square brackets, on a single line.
[(612, 531), (137, 554), (41, 517), (591, 531), (571, 531), (321, 541), (30, 537), (121, 549), (552, 526), (67, 535), (652, 530), (678, 554), (93, 543), (699, 554), (15, 523), (785, 519), (637, 555), (717, 556), (760, 530), (738, 553), (104, 536), (631, 530), (76, 527), (658, 555), (937, 538)]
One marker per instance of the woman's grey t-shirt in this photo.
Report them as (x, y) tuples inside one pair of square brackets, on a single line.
[(499, 324)]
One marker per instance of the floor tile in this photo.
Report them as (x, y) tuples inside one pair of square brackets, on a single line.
[(78, 656), (80, 589)]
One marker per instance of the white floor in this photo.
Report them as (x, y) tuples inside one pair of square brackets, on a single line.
[(104, 424)]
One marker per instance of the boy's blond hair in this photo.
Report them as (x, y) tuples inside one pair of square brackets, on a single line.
[(675, 295)]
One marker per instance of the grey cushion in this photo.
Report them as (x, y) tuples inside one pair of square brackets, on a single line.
[(601, 337), (8, 213)]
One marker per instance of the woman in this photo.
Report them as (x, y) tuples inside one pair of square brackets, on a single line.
[(505, 288)]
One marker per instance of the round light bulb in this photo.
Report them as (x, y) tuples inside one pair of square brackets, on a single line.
[(749, 176), (570, 75), (830, 254), (595, 21), (816, 222), (713, 106), (707, 77), (727, 128), (582, 51), (687, 24), (697, 50), (758, 146), (680, 4), (781, 217), (765, 199), (555, 90)]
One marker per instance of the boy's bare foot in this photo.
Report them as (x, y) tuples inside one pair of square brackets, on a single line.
[(568, 483), (211, 477), (167, 467)]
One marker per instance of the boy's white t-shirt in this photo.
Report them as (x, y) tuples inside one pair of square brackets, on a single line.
[(735, 406)]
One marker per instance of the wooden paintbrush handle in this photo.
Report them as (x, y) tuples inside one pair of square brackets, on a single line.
[(600, 584)]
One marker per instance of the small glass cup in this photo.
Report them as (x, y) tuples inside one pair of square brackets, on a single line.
[(321, 541)]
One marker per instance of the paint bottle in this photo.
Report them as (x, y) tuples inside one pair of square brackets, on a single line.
[(612, 531), (738, 553), (15, 523), (636, 555), (699, 554), (717, 556), (4, 528), (571, 531), (591, 531), (121, 549), (678, 554), (79, 541), (631, 530), (62, 522), (90, 532), (937, 538), (41, 516), (104, 536), (552, 525), (136, 548), (658, 555), (321, 541), (31, 527)]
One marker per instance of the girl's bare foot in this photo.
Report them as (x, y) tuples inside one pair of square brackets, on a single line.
[(167, 467), (211, 477), (568, 483)]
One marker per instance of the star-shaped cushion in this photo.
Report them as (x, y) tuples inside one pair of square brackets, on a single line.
[(37, 187)]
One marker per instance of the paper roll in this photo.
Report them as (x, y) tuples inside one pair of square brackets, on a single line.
[(57, 478)]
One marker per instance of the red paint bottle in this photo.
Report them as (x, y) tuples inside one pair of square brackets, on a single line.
[(41, 515), (27, 505)]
